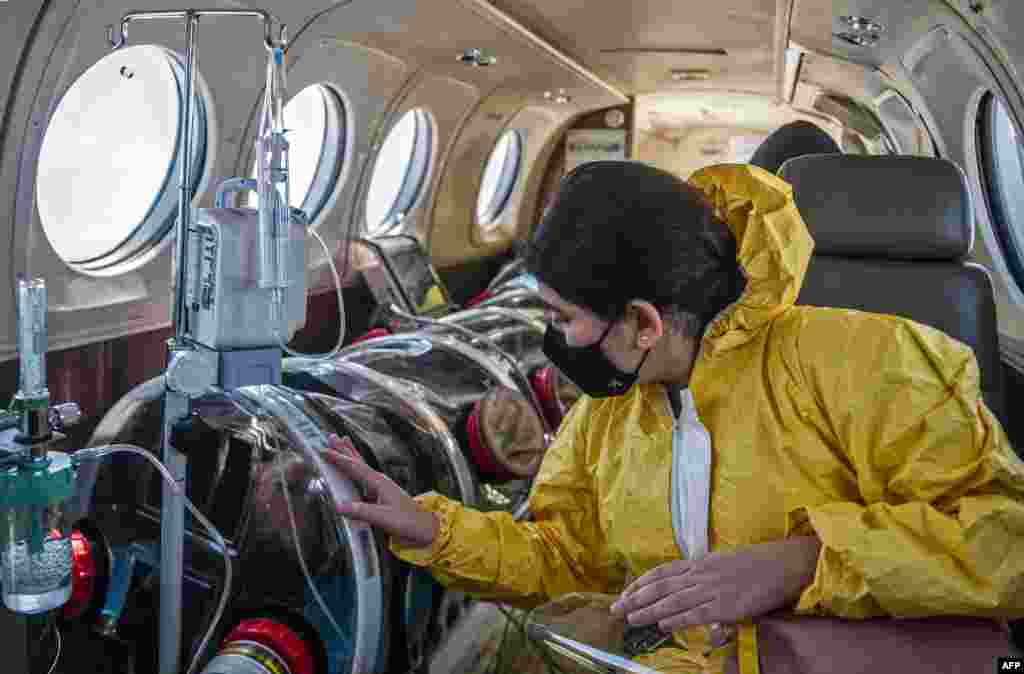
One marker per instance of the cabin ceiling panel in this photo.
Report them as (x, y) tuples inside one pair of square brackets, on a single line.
[(432, 35), (815, 22), (748, 69), (596, 33)]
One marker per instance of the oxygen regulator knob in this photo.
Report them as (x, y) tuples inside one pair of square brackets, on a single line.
[(64, 415)]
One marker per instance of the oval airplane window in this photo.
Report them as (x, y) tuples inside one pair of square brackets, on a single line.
[(108, 171), (315, 120), (499, 179), (1002, 159), (399, 173)]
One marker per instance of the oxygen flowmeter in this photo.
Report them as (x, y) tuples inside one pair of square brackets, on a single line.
[(35, 532)]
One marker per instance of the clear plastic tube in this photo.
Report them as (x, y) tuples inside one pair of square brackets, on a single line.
[(302, 560), (95, 453), (295, 529), (56, 658), (279, 312), (272, 178), (32, 338)]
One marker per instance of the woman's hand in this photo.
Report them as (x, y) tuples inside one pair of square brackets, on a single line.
[(389, 507), (721, 588)]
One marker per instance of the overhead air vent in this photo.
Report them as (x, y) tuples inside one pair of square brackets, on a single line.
[(859, 24), (859, 32)]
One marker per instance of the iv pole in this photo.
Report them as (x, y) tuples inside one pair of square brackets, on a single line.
[(179, 348)]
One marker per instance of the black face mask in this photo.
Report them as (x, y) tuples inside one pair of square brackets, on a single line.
[(588, 367)]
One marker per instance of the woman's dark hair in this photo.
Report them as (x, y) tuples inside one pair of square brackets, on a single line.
[(619, 231), (792, 140)]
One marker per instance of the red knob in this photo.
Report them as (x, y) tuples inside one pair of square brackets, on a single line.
[(83, 576), (371, 334), (479, 297), (278, 638), (483, 455), (543, 381)]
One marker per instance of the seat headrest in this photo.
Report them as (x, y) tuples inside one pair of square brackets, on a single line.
[(904, 208)]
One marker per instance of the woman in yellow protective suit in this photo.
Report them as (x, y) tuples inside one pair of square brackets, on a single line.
[(735, 454)]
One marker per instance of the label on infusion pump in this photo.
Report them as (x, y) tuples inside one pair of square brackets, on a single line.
[(231, 310), (208, 268)]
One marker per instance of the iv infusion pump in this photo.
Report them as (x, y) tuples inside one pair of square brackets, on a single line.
[(227, 307)]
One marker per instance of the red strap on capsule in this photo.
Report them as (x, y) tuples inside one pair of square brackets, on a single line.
[(279, 638), (83, 576), (543, 381), (372, 334), (483, 455), (479, 297)]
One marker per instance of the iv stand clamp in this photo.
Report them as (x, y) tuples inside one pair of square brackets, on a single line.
[(177, 401)]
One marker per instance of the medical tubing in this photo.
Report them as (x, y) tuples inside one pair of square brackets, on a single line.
[(549, 662), (278, 309), (499, 656), (95, 453), (295, 531), (302, 560), (281, 175), (56, 658), (272, 179)]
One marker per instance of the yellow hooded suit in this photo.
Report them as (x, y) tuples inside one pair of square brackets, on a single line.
[(866, 430)]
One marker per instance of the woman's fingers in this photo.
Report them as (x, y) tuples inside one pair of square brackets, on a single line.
[(413, 529), (394, 512), (384, 517), (668, 570), (702, 614), (372, 482), (655, 581), (640, 603), (664, 604)]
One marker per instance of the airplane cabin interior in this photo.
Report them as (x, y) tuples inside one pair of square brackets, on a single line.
[(238, 229)]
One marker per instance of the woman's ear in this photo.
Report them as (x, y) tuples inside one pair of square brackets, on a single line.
[(650, 326)]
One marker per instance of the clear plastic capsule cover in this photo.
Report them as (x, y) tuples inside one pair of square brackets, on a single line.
[(248, 442)]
